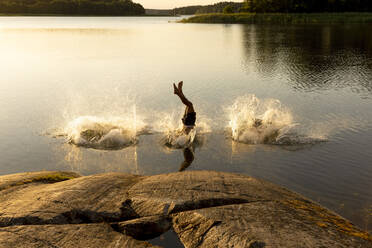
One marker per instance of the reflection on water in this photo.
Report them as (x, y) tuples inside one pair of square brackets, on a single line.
[(90, 160), (73, 157), (188, 154), (118, 73), (313, 57)]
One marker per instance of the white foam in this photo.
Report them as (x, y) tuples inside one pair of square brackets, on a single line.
[(178, 139), (170, 125), (251, 120), (263, 121), (103, 133)]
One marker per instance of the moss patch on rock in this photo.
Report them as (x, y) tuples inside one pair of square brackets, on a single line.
[(324, 218), (52, 177)]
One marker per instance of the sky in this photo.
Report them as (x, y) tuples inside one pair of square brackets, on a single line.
[(170, 4)]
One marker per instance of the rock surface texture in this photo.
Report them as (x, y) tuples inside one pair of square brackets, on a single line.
[(204, 208)]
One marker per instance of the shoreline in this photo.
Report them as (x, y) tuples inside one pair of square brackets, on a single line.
[(282, 18), (202, 208), (61, 15)]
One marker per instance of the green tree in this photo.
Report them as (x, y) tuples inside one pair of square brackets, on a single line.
[(72, 7), (307, 5), (228, 9)]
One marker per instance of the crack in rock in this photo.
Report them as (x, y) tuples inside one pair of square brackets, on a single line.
[(204, 203), (197, 227), (257, 244), (127, 211), (144, 228), (74, 216)]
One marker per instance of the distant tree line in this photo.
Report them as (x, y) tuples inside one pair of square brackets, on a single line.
[(288, 6), (214, 8), (280, 6), (188, 10), (72, 7)]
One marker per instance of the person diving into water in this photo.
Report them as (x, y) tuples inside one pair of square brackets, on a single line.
[(188, 120), (189, 116)]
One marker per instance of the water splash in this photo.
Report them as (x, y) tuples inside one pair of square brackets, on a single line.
[(170, 125), (251, 120), (264, 121), (105, 132)]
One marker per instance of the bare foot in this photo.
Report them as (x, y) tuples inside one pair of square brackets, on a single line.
[(180, 84), (175, 90)]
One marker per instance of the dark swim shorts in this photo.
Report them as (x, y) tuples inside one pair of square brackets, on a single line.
[(189, 119)]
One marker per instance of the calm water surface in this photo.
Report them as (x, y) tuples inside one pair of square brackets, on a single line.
[(54, 70)]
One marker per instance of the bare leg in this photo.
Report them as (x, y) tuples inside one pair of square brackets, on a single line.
[(178, 91)]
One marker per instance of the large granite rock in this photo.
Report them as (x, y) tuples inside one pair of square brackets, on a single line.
[(205, 209), (81, 200), (66, 236), (272, 224)]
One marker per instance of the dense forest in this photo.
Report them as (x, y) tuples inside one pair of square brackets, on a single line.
[(127, 7), (214, 8), (281, 6), (72, 7), (304, 6)]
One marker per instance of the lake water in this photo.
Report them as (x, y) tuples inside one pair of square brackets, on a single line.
[(311, 85)]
